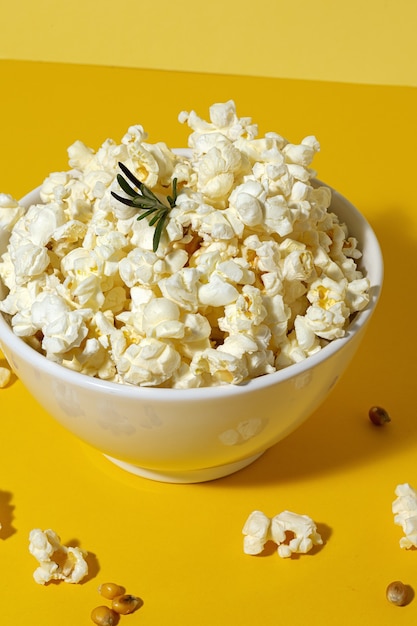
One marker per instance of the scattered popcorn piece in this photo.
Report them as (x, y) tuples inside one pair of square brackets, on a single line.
[(256, 532), (250, 249), (5, 377), (56, 562), (293, 533), (405, 514)]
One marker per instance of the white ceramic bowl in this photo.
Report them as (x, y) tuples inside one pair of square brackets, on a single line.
[(194, 435)]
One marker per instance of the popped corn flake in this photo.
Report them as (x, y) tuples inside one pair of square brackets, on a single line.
[(56, 562), (5, 376), (404, 509), (252, 272), (291, 532)]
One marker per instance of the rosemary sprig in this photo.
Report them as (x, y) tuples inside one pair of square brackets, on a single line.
[(143, 198)]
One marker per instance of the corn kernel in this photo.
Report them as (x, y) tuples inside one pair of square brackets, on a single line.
[(104, 616), (126, 604), (379, 416), (111, 590), (398, 593)]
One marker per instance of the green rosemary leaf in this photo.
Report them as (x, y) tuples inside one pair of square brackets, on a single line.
[(156, 218), (145, 200), (144, 203), (148, 193), (174, 188), (172, 200), (129, 175), (158, 232), (123, 200), (146, 214), (125, 186)]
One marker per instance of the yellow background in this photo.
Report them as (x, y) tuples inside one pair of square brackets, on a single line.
[(179, 547), (345, 72), (370, 42)]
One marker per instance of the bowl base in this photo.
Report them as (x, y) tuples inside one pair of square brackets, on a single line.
[(186, 476)]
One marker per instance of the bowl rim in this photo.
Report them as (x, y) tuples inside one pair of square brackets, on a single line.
[(39, 361)]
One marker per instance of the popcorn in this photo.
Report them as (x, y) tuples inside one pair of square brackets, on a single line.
[(30, 261), (220, 366), (10, 212), (5, 378), (300, 528), (256, 532), (62, 328), (252, 272), (151, 362), (56, 562), (405, 514), (291, 532)]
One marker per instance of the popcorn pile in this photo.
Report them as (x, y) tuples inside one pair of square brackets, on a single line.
[(56, 562), (252, 273), (404, 509), (293, 533)]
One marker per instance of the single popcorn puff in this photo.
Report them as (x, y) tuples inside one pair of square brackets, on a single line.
[(405, 514), (256, 532), (293, 533), (5, 377), (56, 562), (300, 528)]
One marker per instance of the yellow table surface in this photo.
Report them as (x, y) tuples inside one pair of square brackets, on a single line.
[(179, 547)]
